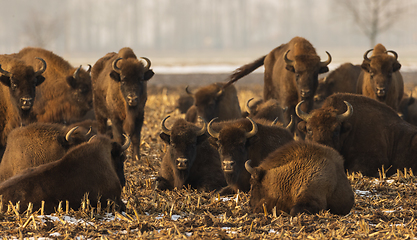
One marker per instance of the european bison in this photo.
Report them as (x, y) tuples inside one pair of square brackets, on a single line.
[(243, 139), (119, 93), (367, 133), (184, 102), (342, 79), (291, 74), (17, 93), (268, 110), (214, 100), (190, 159), (65, 97), (301, 177), (94, 168), (380, 78), (37, 144)]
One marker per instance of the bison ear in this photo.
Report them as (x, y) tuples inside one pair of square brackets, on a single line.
[(302, 126), (148, 75), (323, 69), (213, 142), (115, 76), (5, 80), (290, 68), (165, 137), (71, 82), (366, 66), (396, 66), (39, 79)]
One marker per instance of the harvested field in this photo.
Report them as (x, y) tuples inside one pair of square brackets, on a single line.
[(385, 208)]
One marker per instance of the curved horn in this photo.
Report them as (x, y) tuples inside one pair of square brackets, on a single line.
[(393, 52), (219, 93), (304, 116), (164, 128), (254, 129), (68, 135), (365, 56), (5, 73), (248, 167), (91, 138), (127, 142), (89, 131), (76, 73), (148, 62), (342, 117), (42, 69), (287, 61), (188, 91), (89, 68), (247, 106), (290, 124), (211, 130), (327, 62), (114, 65), (203, 130)]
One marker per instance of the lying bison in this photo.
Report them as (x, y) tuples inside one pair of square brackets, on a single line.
[(243, 139), (189, 159), (367, 133), (301, 177), (269, 110), (380, 78), (94, 168)]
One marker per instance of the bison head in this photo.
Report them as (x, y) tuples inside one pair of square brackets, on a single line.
[(258, 192), (207, 100), (232, 143), (22, 81), (324, 125), (132, 76), (80, 85), (183, 140), (380, 68)]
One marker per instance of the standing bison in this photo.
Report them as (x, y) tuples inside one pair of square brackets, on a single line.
[(17, 93), (119, 83), (291, 74), (214, 100), (65, 97), (367, 133), (243, 139), (380, 78), (301, 177), (190, 159)]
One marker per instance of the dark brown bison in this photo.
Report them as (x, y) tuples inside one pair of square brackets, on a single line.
[(120, 93), (342, 79), (268, 110), (380, 78), (366, 132), (291, 74), (190, 159), (243, 139), (94, 168), (301, 177), (65, 97), (408, 109), (37, 144), (17, 93), (215, 100), (184, 102)]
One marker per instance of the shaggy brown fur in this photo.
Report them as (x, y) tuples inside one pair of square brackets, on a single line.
[(301, 177), (37, 144), (87, 168), (62, 98), (235, 148), (380, 78), (215, 101), (113, 92), (372, 137)]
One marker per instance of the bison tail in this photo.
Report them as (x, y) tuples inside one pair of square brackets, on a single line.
[(244, 70)]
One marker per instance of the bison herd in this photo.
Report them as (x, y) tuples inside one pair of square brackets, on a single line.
[(290, 150)]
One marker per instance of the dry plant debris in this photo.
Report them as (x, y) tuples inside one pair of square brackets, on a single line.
[(385, 207)]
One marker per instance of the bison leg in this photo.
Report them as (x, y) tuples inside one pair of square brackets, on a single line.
[(162, 184), (227, 190), (310, 207)]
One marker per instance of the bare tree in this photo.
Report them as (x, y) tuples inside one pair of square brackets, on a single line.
[(374, 17)]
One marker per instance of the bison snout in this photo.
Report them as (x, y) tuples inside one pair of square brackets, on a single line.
[(26, 103), (132, 100), (305, 93), (182, 163), (228, 166), (380, 92)]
